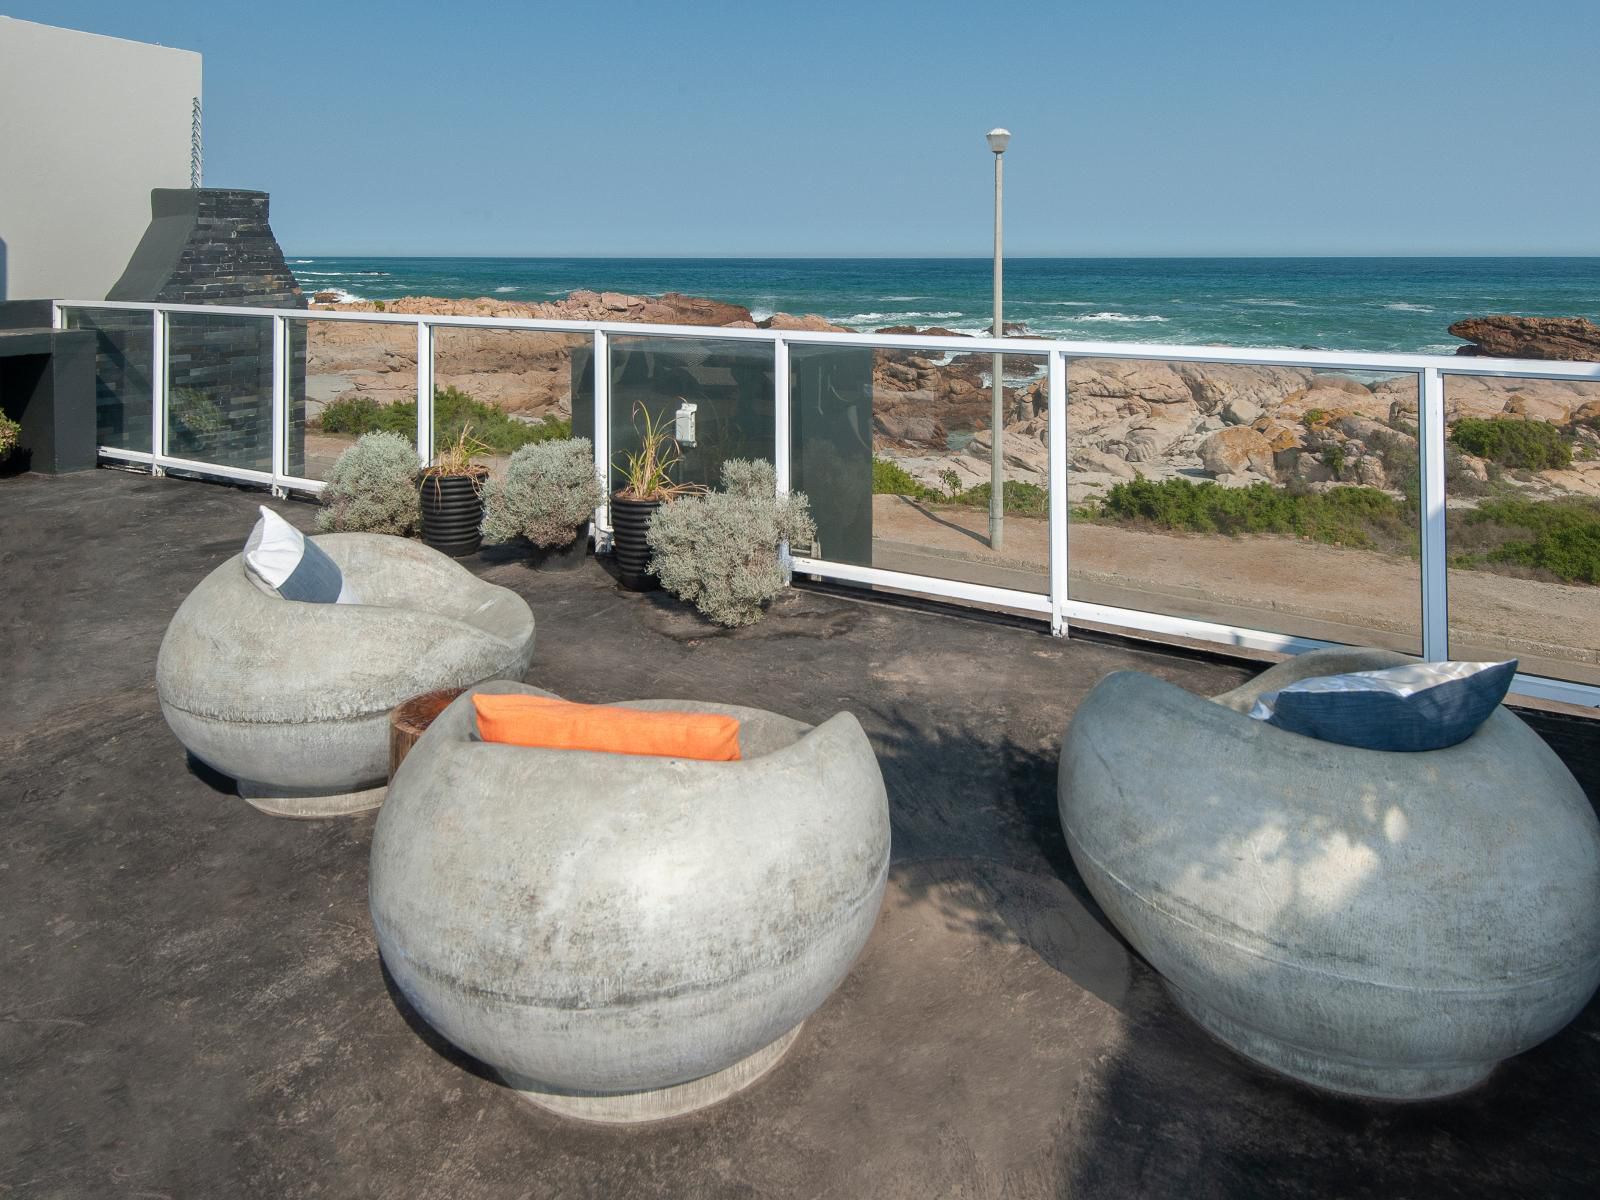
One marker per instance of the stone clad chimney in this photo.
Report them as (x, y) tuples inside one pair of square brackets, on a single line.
[(209, 246), (213, 246)]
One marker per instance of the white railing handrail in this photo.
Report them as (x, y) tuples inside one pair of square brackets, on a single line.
[(1264, 356), (1431, 372)]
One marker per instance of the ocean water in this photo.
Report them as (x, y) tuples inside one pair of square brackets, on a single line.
[(1389, 304)]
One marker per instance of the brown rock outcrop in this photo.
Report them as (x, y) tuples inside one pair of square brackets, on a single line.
[(1235, 450), (810, 322), (1563, 338)]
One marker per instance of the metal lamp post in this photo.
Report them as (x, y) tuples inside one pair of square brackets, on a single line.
[(998, 139)]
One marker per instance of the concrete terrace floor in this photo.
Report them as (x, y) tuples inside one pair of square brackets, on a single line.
[(191, 1003)]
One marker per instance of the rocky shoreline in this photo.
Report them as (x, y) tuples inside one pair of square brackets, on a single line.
[(1236, 425)]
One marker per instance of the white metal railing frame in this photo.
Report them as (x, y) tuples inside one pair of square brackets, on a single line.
[(1056, 603)]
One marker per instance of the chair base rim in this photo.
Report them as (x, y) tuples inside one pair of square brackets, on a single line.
[(309, 806), (657, 1104), (1350, 1077)]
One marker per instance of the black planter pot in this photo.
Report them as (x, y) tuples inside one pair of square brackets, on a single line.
[(452, 513), (561, 558), (630, 523)]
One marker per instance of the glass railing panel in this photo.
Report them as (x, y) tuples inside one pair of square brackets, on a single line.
[(894, 449), (1269, 498), (122, 374), (509, 387), (722, 387), (1523, 523), (219, 389), (347, 378)]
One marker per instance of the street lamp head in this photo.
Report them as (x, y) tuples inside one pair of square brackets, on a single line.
[(998, 139)]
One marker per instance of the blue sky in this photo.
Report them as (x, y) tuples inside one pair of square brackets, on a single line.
[(1140, 128)]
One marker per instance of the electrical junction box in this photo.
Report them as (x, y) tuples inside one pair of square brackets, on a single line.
[(684, 425)]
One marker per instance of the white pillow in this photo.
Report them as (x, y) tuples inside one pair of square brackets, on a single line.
[(282, 562)]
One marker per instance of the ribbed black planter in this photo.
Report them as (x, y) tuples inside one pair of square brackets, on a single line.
[(452, 512), (630, 523), (561, 558)]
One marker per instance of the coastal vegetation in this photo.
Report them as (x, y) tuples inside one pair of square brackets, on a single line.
[(1022, 499), (1549, 539), (453, 411), (10, 433), (1513, 442)]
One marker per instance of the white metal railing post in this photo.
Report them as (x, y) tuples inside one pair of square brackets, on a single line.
[(158, 389), (280, 404), (1056, 413), (58, 315), (601, 373), (424, 392), (781, 451), (1435, 564)]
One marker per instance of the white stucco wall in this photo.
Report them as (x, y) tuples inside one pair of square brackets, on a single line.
[(88, 125)]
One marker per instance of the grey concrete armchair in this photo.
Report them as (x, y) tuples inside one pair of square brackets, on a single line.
[(292, 700), (1378, 923), (627, 938)]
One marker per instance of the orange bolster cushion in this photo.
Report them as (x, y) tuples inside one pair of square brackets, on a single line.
[(551, 724)]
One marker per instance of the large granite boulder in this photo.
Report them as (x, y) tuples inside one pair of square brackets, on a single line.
[(1569, 338)]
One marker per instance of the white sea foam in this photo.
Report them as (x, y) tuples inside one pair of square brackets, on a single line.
[(1119, 318), (1399, 306), (1270, 303), (322, 274), (760, 314), (340, 296), (898, 318), (302, 260), (505, 289)]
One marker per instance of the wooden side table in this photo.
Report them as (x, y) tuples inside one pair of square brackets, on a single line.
[(410, 721)]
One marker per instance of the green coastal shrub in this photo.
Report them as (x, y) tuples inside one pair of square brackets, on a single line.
[(372, 488), (1558, 537), (719, 551), (889, 478), (1349, 516), (193, 421), (1021, 499), (549, 491), (1513, 442), (10, 432), (453, 411)]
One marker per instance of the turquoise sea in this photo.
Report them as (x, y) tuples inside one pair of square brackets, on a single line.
[(1395, 304)]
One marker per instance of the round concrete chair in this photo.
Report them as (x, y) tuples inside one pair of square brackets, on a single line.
[(1383, 924), (292, 700), (626, 938)]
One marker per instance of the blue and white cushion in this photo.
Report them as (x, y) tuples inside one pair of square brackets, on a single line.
[(282, 561), (1420, 706)]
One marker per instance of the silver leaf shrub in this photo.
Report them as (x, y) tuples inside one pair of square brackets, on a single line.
[(548, 493), (719, 551), (372, 488)]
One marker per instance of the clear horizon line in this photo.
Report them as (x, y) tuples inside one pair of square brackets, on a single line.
[(935, 257)]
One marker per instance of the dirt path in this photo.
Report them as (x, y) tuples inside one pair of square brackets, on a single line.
[(1274, 583)]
